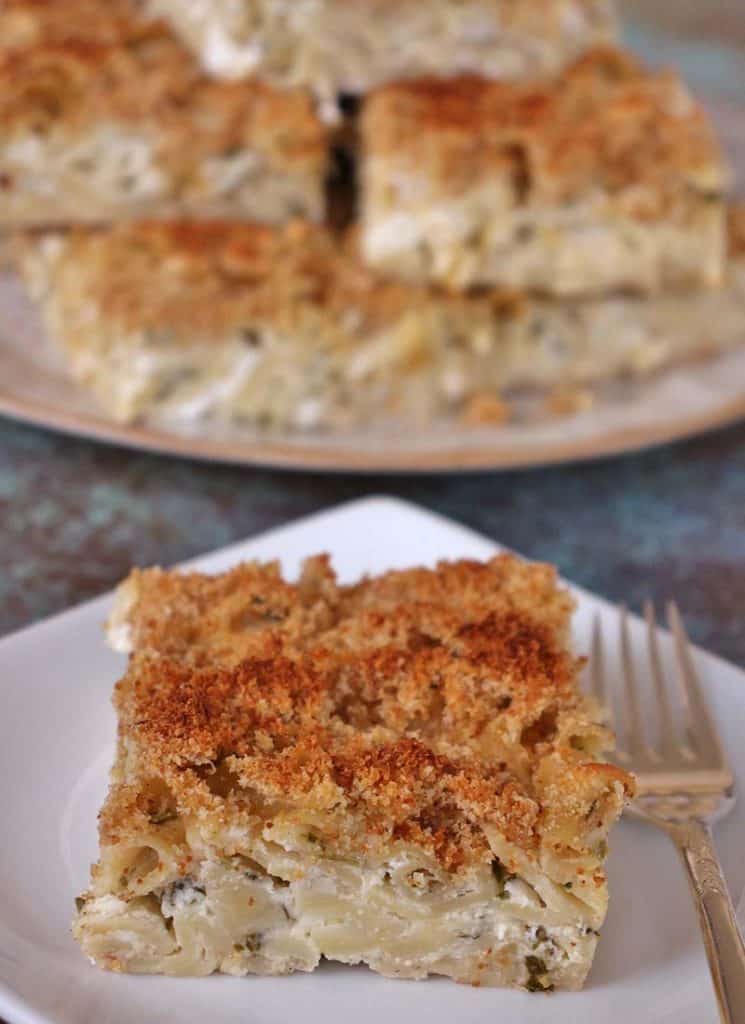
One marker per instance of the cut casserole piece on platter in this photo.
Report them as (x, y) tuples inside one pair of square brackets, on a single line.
[(288, 330), (607, 177), (334, 46), (113, 128), (400, 772)]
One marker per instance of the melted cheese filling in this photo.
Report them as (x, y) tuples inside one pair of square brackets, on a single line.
[(399, 918)]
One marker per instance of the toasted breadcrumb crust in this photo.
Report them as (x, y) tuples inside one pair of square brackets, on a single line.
[(219, 275), (216, 276), (605, 123), (76, 85), (25, 23), (423, 706)]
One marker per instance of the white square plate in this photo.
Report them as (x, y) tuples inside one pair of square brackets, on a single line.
[(56, 742)]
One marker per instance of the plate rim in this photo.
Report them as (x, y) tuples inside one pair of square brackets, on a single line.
[(285, 455)]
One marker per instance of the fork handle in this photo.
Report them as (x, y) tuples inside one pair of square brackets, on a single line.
[(724, 945)]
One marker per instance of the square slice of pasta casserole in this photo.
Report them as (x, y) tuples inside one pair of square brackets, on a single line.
[(121, 123), (401, 772), (608, 177)]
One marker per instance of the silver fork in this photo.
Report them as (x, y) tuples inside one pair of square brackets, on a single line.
[(684, 784)]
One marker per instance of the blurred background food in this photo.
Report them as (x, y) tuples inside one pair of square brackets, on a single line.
[(512, 208), (76, 514)]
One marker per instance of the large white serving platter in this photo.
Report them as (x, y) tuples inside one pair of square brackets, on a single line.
[(56, 743)]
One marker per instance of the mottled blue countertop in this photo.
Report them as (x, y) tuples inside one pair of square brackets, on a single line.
[(74, 516)]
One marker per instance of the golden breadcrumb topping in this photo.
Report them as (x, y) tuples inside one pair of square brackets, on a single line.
[(420, 706), (147, 82), (604, 124), (25, 23), (220, 276), (216, 277)]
